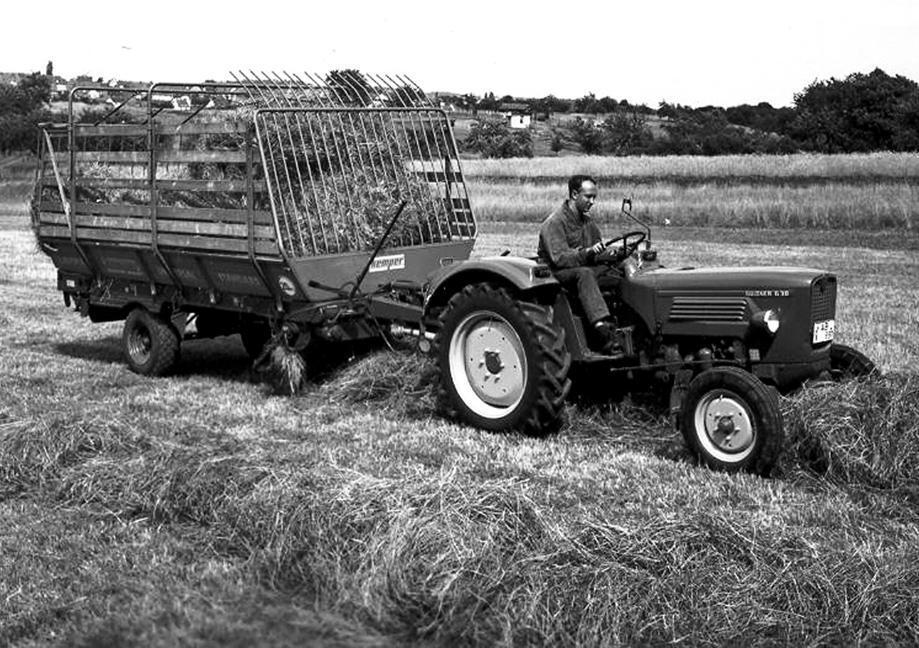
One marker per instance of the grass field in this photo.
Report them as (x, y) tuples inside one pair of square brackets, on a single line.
[(877, 192), (201, 510), (743, 168)]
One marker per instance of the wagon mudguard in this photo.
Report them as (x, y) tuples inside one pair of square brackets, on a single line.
[(523, 275)]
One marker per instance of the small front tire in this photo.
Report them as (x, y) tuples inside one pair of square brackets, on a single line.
[(731, 421), (151, 343)]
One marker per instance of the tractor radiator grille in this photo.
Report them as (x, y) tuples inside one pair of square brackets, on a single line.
[(823, 299), (717, 309)]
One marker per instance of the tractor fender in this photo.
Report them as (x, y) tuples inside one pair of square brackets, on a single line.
[(519, 274)]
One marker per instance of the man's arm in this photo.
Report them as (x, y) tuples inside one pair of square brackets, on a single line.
[(560, 254)]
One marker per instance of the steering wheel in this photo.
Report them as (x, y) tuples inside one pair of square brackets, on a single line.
[(612, 253)]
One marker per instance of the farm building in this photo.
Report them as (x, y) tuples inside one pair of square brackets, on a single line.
[(518, 115)]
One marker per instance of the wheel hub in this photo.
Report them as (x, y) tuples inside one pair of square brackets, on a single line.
[(493, 361), (140, 344), (725, 423)]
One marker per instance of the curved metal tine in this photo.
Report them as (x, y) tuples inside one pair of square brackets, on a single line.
[(301, 203), (421, 94), (361, 94), (401, 169), (335, 195), (380, 141), (328, 197), (447, 151), (309, 171), (327, 201), (361, 121), (408, 142), (267, 157), (397, 168), (349, 145), (453, 152), (425, 119), (347, 188), (274, 163)]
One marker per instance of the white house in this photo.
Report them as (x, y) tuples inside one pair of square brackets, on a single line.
[(518, 115)]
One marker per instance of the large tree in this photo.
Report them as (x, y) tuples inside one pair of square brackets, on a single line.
[(863, 112)]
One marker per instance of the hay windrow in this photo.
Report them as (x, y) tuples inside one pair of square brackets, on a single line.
[(37, 451), (858, 432), (401, 383)]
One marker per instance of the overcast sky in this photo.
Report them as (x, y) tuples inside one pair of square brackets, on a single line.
[(699, 52)]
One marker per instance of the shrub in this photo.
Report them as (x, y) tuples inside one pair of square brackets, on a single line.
[(495, 139)]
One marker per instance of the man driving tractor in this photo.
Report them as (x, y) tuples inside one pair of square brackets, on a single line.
[(569, 243)]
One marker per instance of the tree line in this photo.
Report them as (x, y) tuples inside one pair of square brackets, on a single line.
[(860, 113)]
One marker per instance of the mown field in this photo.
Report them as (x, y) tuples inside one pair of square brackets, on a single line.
[(199, 509)]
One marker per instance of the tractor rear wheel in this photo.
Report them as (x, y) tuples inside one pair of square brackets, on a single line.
[(502, 364), (732, 421), (151, 343), (847, 363)]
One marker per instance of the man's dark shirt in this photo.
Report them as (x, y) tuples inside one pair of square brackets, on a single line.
[(565, 238)]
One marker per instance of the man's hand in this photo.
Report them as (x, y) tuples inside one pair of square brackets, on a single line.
[(596, 248)]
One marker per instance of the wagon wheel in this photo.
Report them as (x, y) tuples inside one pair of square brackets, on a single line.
[(731, 421), (502, 364), (151, 343)]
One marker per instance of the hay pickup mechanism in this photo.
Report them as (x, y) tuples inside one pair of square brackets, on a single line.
[(320, 211)]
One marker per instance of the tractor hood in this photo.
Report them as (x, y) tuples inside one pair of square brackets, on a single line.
[(723, 302), (727, 279)]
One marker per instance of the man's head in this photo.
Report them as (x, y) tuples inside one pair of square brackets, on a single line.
[(582, 193)]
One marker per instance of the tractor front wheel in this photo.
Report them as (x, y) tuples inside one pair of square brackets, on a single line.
[(503, 365), (151, 343), (732, 421)]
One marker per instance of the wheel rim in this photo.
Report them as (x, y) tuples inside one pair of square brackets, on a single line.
[(724, 426), (140, 344), (488, 364)]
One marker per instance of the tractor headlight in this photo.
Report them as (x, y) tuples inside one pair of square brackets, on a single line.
[(767, 320)]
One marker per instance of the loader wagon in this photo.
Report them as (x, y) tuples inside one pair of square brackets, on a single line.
[(251, 201)]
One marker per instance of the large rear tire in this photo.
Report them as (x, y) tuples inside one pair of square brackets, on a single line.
[(502, 364), (151, 343), (847, 363), (731, 421)]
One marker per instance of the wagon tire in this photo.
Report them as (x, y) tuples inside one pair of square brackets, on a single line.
[(731, 421), (151, 343), (486, 336), (847, 363)]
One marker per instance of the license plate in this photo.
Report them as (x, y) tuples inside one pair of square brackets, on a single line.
[(823, 331)]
